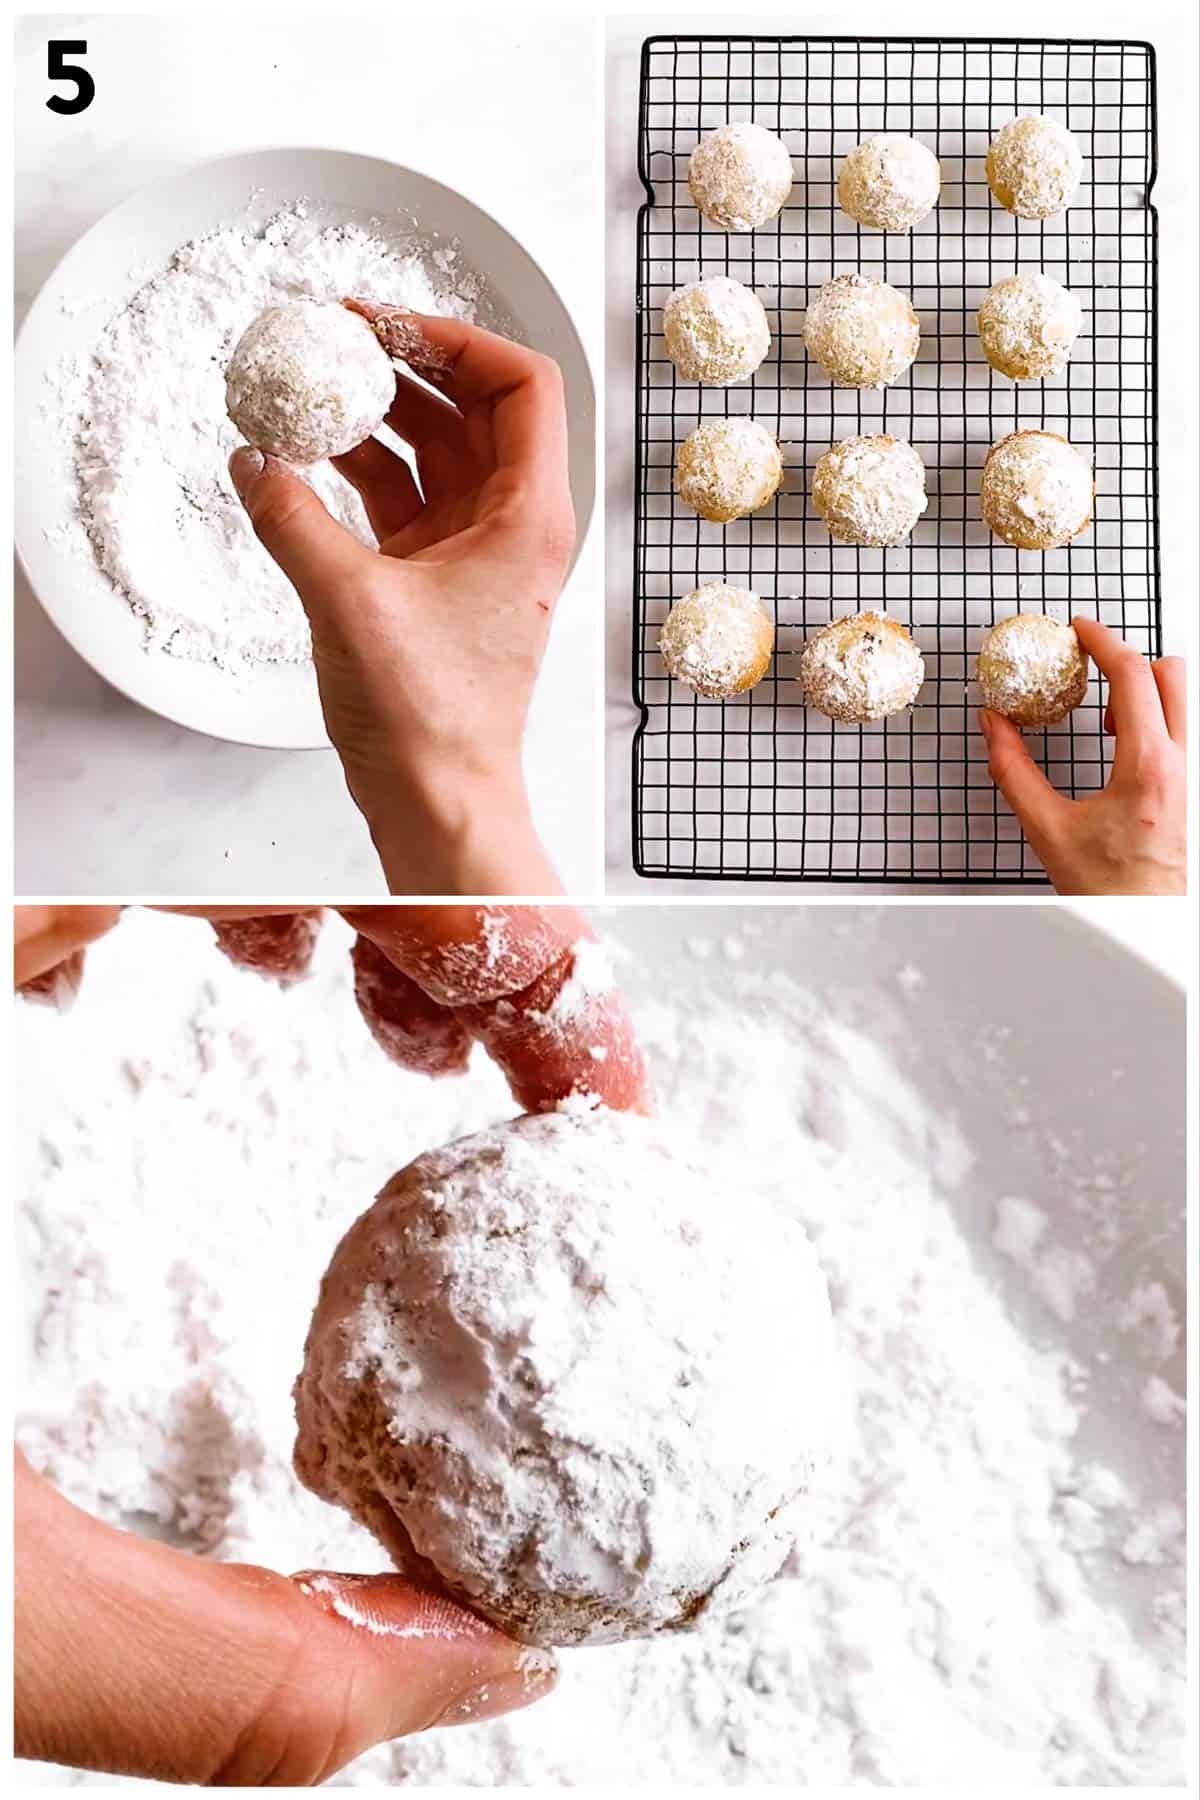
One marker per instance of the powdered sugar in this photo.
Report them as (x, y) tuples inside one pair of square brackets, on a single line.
[(194, 1142), (308, 381), (1032, 668), (715, 331), (718, 640), (1033, 167), (597, 1455), (1036, 490), (890, 182), (1061, 1277), (862, 332), (870, 490), (861, 668), (145, 414), (1027, 325), (739, 176)]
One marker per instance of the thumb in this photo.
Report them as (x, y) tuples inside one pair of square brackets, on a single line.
[(137, 1659), (315, 553), (1018, 777)]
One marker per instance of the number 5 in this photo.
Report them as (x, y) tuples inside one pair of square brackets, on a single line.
[(58, 69)]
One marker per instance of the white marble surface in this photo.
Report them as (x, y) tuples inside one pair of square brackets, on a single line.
[(1174, 199), (111, 800)]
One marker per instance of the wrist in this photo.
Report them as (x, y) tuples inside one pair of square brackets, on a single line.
[(459, 834)]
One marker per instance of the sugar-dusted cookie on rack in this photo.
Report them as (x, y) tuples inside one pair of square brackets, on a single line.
[(740, 176), (1033, 167), (1032, 669), (863, 333), (890, 182), (718, 640), (715, 331), (727, 468), (1036, 490), (1028, 324), (861, 668), (870, 490)]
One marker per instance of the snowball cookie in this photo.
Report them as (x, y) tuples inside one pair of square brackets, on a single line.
[(870, 490), (1027, 325), (861, 668), (1033, 167), (861, 331), (562, 1371), (716, 331), (891, 182), (739, 176), (718, 640), (307, 381), (1032, 669), (727, 468), (1036, 490)]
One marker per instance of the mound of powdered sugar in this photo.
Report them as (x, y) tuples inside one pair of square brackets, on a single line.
[(144, 418), (183, 1135)]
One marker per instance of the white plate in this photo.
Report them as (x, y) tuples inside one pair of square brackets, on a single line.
[(278, 706)]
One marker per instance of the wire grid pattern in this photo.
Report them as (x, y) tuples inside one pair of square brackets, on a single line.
[(762, 787)]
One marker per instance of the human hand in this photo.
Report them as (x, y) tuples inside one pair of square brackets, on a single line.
[(427, 650), (49, 944), (527, 982), (137, 1659), (1130, 838)]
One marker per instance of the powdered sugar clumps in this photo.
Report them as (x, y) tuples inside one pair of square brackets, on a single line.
[(1061, 1276), (145, 418)]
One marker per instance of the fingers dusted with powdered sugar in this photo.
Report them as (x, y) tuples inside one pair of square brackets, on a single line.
[(531, 984), (464, 955), (408, 1026), (48, 947), (566, 1033), (280, 945)]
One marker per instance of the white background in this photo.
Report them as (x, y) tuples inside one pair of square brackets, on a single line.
[(111, 799), (1174, 196)]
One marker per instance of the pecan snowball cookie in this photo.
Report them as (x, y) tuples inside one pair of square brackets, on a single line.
[(307, 381), (739, 176), (728, 468), (718, 640), (861, 331), (1028, 324), (890, 182), (1033, 167), (716, 331), (566, 1375), (1032, 669), (1036, 490), (870, 490), (861, 668)]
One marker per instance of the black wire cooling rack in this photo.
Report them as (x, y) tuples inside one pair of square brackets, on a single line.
[(761, 787)]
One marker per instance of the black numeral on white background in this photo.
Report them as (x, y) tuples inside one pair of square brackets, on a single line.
[(59, 69)]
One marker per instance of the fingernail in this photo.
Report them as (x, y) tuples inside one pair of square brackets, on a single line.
[(245, 466), (467, 1670), (533, 1676), (59, 986)]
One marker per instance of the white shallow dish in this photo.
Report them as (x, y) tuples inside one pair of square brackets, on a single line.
[(277, 707), (993, 1013)]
